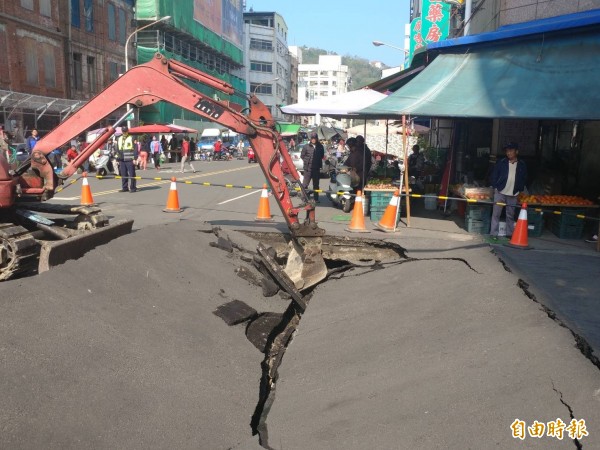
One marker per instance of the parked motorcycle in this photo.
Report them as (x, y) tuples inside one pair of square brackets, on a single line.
[(101, 162), (339, 185)]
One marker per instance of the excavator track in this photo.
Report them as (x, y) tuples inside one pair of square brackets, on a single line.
[(88, 217), (19, 251)]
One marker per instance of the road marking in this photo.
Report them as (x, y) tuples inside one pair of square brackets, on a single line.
[(241, 196), (160, 182)]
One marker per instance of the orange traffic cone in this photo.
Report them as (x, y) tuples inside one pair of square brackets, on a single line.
[(264, 212), (388, 220), (357, 222), (86, 192), (519, 238), (173, 198)]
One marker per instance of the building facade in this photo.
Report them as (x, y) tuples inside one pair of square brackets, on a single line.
[(268, 63), (327, 78), (54, 55), (203, 34)]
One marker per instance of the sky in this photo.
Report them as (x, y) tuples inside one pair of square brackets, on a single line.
[(345, 27)]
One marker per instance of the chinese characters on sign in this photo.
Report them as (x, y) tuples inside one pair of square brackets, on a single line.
[(555, 428), (433, 26)]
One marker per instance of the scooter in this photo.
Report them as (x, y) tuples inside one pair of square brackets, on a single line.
[(339, 185), (101, 162)]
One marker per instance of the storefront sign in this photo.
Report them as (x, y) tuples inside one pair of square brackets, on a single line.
[(436, 20), (415, 42)]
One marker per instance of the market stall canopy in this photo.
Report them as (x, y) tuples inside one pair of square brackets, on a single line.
[(158, 128), (288, 129), (153, 128), (335, 106), (380, 130), (541, 77), (328, 133), (181, 129)]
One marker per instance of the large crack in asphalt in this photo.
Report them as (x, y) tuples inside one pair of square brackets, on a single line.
[(274, 337), (580, 342), (571, 415)]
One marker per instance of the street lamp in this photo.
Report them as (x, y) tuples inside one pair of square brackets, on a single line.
[(264, 82), (379, 44), (134, 33)]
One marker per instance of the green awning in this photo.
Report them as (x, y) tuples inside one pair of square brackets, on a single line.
[(288, 129), (547, 77)]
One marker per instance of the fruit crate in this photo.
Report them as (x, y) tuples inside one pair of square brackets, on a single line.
[(380, 199), (377, 214), (535, 223), (478, 212), (567, 225), (477, 226)]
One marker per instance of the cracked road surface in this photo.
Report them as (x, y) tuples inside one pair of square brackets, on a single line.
[(123, 349)]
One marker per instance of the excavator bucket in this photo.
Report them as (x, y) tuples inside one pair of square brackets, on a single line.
[(57, 252), (305, 264)]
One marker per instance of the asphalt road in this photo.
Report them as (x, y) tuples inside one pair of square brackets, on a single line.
[(123, 349)]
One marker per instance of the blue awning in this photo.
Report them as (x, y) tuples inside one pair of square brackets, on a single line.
[(540, 77)]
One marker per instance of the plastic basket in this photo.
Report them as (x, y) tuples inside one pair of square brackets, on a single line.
[(477, 226), (380, 199), (478, 212), (567, 225), (535, 223), (376, 216)]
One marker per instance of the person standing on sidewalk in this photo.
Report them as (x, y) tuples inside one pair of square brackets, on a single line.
[(185, 154), (508, 179)]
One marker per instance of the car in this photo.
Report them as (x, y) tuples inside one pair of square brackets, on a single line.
[(299, 164)]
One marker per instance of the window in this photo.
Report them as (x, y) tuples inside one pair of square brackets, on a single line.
[(303, 73), (113, 71), (323, 73), (313, 83), (77, 72), (259, 66), (122, 27), (49, 66), (46, 8), (75, 14), (91, 74), (31, 62), (314, 73), (112, 29), (27, 4), (259, 88), (325, 83), (261, 44), (88, 12)]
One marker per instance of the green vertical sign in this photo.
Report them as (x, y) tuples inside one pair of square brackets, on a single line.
[(415, 41), (435, 15)]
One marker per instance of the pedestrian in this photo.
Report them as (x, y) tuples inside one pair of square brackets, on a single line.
[(292, 144), (157, 151), (240, 148), (185, 154), (312, 156), (4, 144), (508, 179), (71, 153), (173, 146), (360, 160), (416, 161), (192, 149), (112, 151), (144, 151), (217, 147), (127, 155), (341, 150), (32, 140), (56, 158)]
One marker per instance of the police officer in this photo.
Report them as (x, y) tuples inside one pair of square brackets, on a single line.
[(126, 155)]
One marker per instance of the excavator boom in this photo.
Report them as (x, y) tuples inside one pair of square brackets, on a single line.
[(166, 80)]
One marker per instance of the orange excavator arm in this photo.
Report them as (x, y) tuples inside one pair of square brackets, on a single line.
[(162, 79)]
